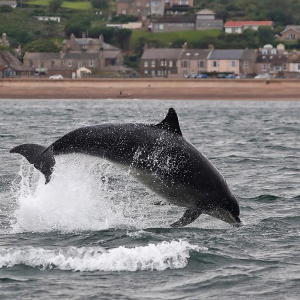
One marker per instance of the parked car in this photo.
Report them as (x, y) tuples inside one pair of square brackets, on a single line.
[(202, 76), (56, 76), (262, 76), (230, 76)]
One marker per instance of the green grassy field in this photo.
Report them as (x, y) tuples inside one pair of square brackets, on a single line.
[(169, 37), (66, 4)]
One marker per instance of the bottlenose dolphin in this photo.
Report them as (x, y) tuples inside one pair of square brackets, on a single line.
[(157, 155)]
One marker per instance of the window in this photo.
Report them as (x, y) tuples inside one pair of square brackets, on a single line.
[(124, 12), (70, 63), (163, 63), (233, 63), (264, 68), (284, 67), (79, 64), (30, 62), (298, 67), (246, 64), (185, 64), (153, 63), (201, 64), (91, 63), (146, 64), (277, 68), (159, 26), (42, 64), (52, 63), (171, 63), (146, 72), (291, 36), (214, 64), (153, 72)]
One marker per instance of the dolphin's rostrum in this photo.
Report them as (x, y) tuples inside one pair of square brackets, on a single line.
[(158, 156)]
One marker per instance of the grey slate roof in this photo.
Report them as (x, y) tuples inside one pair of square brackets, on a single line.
[(249, 54), (296, 27), (233, 54), (194, 54), (272, 59), (161, 53), (7, 59)]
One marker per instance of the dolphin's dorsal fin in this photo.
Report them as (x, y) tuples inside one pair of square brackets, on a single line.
[(170, 122)]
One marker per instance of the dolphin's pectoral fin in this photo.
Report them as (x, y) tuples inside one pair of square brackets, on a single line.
[(189, 216)]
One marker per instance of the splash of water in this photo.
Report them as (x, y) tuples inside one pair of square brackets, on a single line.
[(85, 193)]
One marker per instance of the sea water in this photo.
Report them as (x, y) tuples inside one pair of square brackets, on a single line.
[(94, 232)]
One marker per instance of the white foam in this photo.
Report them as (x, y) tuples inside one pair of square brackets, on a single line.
[(162, 256), (85, 193)]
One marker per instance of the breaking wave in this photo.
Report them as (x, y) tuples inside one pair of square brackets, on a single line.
[(162, 256)]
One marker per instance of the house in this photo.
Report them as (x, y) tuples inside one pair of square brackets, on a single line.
[(12, 3), (225, 61), (10, 66), (205, 19), (192, 62), (291, 32), (160, 62), (43, 62), (173, 23), (240, 26), (140, 8), (274, 61), (247, 62)]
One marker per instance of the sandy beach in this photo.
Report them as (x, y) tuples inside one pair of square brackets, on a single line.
[(189, 89)]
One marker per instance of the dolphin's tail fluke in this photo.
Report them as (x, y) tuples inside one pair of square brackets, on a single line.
[(41, 157)]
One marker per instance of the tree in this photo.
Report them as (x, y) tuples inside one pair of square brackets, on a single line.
[(54, 5), (101, 4), (77, 26), (41, 46), (265, 36)]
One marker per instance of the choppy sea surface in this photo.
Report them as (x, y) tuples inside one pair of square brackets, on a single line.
[(94, 232)]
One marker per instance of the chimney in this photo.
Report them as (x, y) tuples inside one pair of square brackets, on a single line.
[(211, 47)]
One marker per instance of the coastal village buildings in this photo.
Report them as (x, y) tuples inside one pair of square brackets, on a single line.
[(93, 54)]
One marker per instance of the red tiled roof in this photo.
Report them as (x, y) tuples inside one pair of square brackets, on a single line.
[(245, 23)]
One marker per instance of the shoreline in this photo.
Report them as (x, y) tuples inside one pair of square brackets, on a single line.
[(151, 89)]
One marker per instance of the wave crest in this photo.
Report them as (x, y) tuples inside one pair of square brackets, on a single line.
[(162, 256)]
